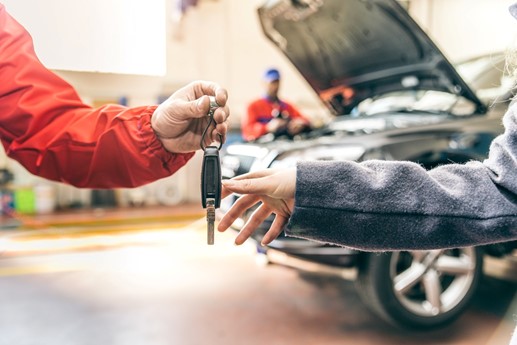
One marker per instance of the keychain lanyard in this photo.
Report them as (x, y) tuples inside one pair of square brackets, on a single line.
[(213, 107)]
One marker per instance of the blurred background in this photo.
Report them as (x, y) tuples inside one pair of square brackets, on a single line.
[(129, 266), (93, 46)]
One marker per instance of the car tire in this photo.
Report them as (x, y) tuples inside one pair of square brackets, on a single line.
[(419, 289)]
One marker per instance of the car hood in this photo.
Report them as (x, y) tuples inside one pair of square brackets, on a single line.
[(351, 50)]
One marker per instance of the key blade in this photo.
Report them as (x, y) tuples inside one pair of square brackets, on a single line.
[(210, 220), (210, 233)]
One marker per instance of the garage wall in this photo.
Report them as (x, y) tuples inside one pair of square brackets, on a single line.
[(96, 35), (465, 28)]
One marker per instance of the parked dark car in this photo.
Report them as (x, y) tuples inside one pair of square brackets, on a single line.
[(395, 97)]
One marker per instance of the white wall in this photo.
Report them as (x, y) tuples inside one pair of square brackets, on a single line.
[(116, 36), (466, 28)]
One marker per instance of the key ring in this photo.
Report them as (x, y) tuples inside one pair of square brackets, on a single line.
[(213, 107)]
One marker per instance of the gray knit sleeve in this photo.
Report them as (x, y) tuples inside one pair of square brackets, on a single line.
[(384, 205)]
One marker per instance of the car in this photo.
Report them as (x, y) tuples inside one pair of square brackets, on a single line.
[(394, 96)]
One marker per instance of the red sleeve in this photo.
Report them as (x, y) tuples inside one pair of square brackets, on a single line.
[(251, 127), (47, 128)]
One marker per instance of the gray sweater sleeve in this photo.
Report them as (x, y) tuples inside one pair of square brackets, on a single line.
[(384, 205)]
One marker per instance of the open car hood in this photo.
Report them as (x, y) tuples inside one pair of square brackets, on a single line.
[(351, 50)]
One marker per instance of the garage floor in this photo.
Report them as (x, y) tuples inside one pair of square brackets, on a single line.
[(156, 282)]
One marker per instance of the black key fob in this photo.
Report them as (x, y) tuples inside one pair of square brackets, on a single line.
[(211, 176)]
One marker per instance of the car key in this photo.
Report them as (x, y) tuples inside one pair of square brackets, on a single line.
[(210, 177), (211, 187)]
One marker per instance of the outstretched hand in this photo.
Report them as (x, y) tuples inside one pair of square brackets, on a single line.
[(274, 188), (179, 121)]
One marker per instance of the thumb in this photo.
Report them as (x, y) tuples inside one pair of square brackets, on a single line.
[(203, 105), (197, 108)]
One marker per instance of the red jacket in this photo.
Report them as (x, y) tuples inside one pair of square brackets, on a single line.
[(260, 112), (46, 127)]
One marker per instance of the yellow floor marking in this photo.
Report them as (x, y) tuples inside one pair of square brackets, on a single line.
[(31, 270), (66, 240), (21, 256), (116, 221), (80, 232)]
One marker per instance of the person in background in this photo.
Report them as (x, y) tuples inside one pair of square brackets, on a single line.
[(270, 114), (384, 205), (46, 127)]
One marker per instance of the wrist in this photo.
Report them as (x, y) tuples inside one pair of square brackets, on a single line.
[(156, 122)]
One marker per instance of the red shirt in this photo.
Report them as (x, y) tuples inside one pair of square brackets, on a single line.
[(46, 127), (260, 112)]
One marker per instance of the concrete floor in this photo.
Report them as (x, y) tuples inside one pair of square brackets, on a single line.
[(168, 287)]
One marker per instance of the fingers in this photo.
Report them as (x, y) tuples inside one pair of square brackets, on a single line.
[(221, 96), (259, 185), (256, 174), (237, 209), (219, 133), (202, 87), (278, 183), (222, 128), (225, 192), (199, 108), (257, 218), (221, 114), (276, 229)]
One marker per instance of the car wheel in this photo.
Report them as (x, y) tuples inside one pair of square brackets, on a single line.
[(420, 289)]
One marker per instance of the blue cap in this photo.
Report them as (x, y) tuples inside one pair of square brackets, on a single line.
[(513, 10), (271, 74)]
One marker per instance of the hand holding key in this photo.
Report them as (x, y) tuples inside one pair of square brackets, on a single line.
[(179, 121)]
